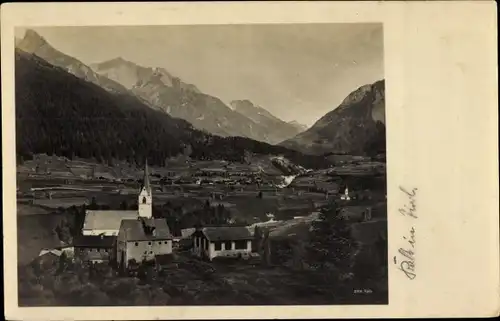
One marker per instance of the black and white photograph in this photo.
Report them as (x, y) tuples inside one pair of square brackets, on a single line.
[(201, 165)]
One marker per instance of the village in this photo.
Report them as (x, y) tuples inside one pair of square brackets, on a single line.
[(257, 207)]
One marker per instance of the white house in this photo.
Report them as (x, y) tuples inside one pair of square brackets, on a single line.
[(143, 239), (58, 251), (107, 223), (227, 241), (345, 196)]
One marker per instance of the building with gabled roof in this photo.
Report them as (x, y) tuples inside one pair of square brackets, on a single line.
[(222, 241), (107, 223), (142, 239), (86, 244)]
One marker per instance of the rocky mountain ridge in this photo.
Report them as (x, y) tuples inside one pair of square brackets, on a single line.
[(356, 126)]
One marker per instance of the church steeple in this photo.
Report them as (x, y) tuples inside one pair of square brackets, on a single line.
[(145, 181), (145, 199)]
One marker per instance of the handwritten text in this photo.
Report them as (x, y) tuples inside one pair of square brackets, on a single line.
[(405, 260)]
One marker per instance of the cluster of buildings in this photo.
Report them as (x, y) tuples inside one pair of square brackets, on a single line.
[(134, 236), (130, 237)]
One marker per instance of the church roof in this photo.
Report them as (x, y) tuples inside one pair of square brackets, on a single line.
[(144, 229), (107, 220)]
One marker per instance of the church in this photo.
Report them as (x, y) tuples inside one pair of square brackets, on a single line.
[(107, 223)]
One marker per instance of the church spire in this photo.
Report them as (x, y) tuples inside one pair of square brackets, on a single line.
[(145, 183), (145, 199)]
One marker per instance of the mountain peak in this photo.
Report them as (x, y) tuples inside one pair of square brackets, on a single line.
[(118, 60), (113, 63), (261, 116), (355, 127), (31, 41), (299, 126)]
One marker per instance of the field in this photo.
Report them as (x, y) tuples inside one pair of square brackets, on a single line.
[(36, 230)]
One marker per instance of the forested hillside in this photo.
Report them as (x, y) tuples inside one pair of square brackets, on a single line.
[(58, 113)]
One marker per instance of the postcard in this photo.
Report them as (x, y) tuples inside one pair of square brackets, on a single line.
[(248, 160)]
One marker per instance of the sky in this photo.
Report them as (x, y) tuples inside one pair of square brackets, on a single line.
[(296, 71)]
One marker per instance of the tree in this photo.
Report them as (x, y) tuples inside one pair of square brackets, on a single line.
[(62, 262), (266, 243), (298, 254), (257, 239), (124, 205), (63, 231), (187, 150), (331, 243)]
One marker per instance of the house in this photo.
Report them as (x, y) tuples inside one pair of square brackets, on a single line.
[(108, 222), (184, 240), (143, 239), (54, 252), (271, 223), (187, 232), (224, 241), (46, 260), (69, 251), (345, 196), (85, 244)]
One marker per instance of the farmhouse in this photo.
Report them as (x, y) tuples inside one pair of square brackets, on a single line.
[(58, 251), (227, 241), (108, 222), (46, 260), (101, 246), (143, 239)]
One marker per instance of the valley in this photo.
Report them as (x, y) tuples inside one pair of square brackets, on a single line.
[(132, 181), (49, 187)]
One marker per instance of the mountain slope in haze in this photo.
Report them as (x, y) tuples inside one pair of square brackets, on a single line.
[(279, 130), (356, 127), (59, 113), (35, 44), (130, 74), (300, 127), (167, 93)]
